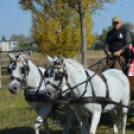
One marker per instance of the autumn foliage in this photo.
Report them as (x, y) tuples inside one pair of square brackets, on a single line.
[(56, 27)]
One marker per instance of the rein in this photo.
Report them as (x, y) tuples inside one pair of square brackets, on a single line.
[(88, 99)]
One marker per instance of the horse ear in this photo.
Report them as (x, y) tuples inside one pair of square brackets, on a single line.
[(49, 59), (17, 55), (55, 57), (61, 60), (11, 56)]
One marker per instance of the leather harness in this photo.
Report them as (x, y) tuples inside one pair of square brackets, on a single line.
[(90, 99)]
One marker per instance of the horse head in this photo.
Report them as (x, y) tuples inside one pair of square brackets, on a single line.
[(60, 76), (18, 68)]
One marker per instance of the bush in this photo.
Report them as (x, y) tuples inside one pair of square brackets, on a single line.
[(98, 45), (33, 48), (19, 48)]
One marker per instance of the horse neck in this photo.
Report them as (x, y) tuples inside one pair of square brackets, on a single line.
[(33, 77), (76, 77), (74, 80)]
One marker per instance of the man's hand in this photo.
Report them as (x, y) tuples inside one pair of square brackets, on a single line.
[(109, 53), (118, 53)]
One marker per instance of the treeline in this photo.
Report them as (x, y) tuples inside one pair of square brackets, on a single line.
[(25, 43), (31, 43), (100, 39)]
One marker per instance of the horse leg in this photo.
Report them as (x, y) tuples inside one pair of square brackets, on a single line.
[(114, 115), (95, 121), (124, 119), (46, 126), (69, 114), (41, 116), (83, 121)]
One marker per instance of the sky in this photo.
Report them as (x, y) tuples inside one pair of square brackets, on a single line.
[(122, 8), (13, 20)]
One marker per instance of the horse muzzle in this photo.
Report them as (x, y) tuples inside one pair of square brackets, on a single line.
[(14, 88), (48, 94)]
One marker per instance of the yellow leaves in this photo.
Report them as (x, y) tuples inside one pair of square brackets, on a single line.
[(58, 29)]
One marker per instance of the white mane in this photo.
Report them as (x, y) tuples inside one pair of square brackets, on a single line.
[(74, 63)]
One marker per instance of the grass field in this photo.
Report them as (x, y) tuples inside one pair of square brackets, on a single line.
[(17, 117)]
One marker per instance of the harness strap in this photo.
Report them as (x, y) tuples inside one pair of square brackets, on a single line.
[(38, 88), (102, 100), (88, 79), (105, 80), (37, 98), (41, 81), (93, 92), (18, 79), (90, 100)]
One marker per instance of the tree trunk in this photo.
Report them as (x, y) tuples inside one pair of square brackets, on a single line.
[(83, 36)]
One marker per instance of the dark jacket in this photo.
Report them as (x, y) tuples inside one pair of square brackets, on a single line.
[(116, 39)]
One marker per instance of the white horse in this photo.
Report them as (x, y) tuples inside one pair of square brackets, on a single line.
[(23, 70), (119, 91)]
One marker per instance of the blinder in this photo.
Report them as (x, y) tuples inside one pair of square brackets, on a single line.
[(48, 73), (24, 69), (59, 75), (13, 67)]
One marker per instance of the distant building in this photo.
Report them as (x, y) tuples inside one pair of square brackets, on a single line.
[(7, 45)]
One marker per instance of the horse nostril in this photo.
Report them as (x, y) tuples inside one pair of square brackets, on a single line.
[(48, 93)]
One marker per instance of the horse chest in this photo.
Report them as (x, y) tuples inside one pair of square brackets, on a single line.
[(37, 106)]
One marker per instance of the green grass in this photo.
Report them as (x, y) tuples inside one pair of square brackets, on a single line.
[(17, 117)]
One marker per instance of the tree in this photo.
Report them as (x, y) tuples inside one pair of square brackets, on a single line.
[(3, 37), (81, 6), (20, 38), (128, 26), (64, 22), (104, 33), (98, 45)]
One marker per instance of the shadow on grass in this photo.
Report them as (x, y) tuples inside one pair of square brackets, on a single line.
[(25, 130), (106, 120)]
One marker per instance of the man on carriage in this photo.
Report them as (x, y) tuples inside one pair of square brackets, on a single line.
[(118, 45)]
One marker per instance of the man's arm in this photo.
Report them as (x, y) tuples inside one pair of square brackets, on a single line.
[(106, 47), (127, 43)]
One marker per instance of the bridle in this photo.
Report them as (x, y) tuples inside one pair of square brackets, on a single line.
[(64, 74), (58, 77), (24, 70)]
